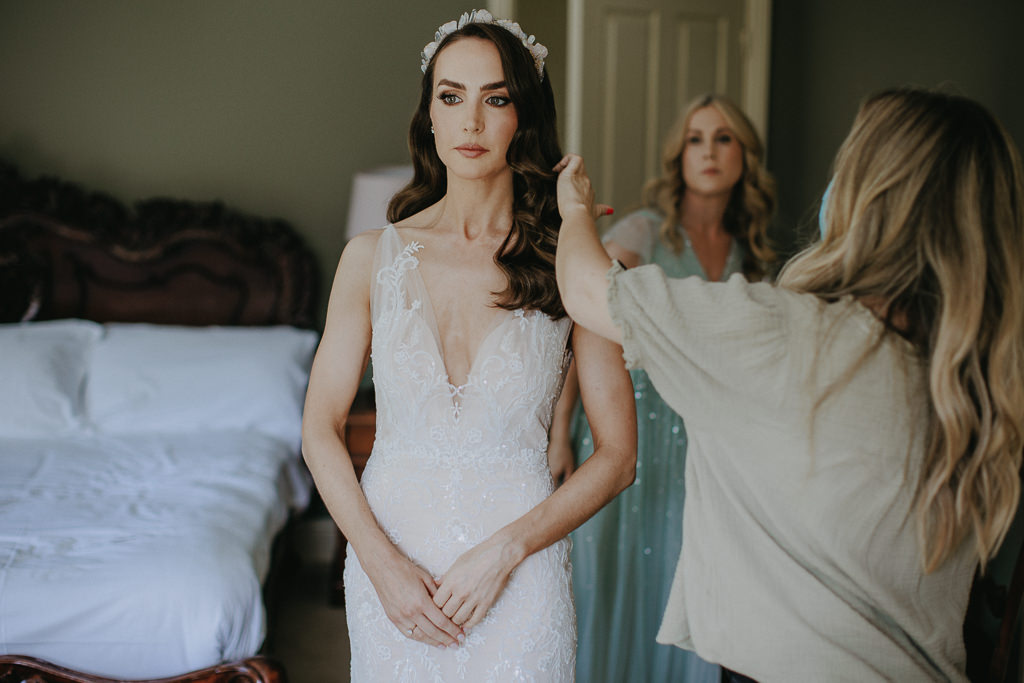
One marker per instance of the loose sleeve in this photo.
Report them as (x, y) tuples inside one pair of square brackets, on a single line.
[(637, 232), (701, 340)]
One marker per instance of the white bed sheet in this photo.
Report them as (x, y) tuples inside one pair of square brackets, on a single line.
[(140, 556)]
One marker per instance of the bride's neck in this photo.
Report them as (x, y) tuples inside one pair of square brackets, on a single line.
[(478, 207)]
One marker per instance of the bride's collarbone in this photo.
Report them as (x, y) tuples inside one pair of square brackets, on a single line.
[(459, 282)]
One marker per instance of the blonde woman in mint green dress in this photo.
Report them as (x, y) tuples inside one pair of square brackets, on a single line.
[(624, 558)]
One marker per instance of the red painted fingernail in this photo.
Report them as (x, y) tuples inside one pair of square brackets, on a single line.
[(609, 211)]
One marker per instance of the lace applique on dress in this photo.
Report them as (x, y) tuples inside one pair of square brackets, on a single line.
[(450, 466)]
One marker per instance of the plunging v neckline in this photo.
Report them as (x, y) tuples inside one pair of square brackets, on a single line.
[(435, 331)]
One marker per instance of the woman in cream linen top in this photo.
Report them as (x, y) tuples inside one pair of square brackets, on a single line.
[(855, 433)]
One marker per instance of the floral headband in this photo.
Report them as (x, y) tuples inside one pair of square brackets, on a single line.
[(482, 16)]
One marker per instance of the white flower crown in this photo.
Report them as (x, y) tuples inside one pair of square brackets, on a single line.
[(482, 16)]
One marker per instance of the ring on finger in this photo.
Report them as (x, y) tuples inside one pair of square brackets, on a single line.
[(411, 629)]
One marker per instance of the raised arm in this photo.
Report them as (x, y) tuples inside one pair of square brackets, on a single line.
[(405, 589), (581, 263), (561, 457), (478, 576)]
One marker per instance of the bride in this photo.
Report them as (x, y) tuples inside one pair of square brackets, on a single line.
[(457, 565)]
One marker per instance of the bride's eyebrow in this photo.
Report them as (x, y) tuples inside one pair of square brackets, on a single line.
[(459, 86)]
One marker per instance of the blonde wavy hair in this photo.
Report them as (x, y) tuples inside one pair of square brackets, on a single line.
[(753, 198), (925, 223)]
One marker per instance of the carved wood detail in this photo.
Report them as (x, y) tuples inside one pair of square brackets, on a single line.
[(66, 252), (20, 669)]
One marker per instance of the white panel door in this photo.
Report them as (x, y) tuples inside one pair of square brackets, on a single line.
[(633, 65), (630, 66)]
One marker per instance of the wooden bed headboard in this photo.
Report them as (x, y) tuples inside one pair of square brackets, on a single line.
[(69, 253)]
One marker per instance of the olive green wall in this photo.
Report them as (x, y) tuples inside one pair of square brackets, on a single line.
[(267, 105), (272, 105), (827, 55)]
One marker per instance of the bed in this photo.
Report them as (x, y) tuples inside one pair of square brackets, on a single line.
[(153, 362)]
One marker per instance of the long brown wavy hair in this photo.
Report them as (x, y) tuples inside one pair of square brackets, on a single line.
[(752, 202), (527, 256), (925, 218)]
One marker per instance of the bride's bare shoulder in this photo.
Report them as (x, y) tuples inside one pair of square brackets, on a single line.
[(362, 246), (416, 225)]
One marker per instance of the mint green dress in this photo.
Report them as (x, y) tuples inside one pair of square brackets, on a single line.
[(625, 556)]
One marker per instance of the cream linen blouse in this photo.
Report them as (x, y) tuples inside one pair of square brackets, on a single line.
[(800, 558)]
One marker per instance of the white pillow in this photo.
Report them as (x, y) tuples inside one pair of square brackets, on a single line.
[(42, 371), (164, 378)]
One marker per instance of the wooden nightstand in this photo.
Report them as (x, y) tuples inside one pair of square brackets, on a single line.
[(359, 432)]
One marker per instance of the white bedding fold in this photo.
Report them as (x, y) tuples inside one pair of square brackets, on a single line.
[(140, 556)]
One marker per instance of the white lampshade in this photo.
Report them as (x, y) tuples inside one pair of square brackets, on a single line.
[(371, 192)]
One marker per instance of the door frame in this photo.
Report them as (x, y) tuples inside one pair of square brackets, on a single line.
[(755, 64)]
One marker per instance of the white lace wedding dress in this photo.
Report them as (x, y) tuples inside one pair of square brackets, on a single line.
[(450, 466)]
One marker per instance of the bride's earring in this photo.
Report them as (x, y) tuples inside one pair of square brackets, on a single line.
[(431, 130)]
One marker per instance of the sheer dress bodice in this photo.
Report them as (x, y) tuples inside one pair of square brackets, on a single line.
[(450, 466)]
